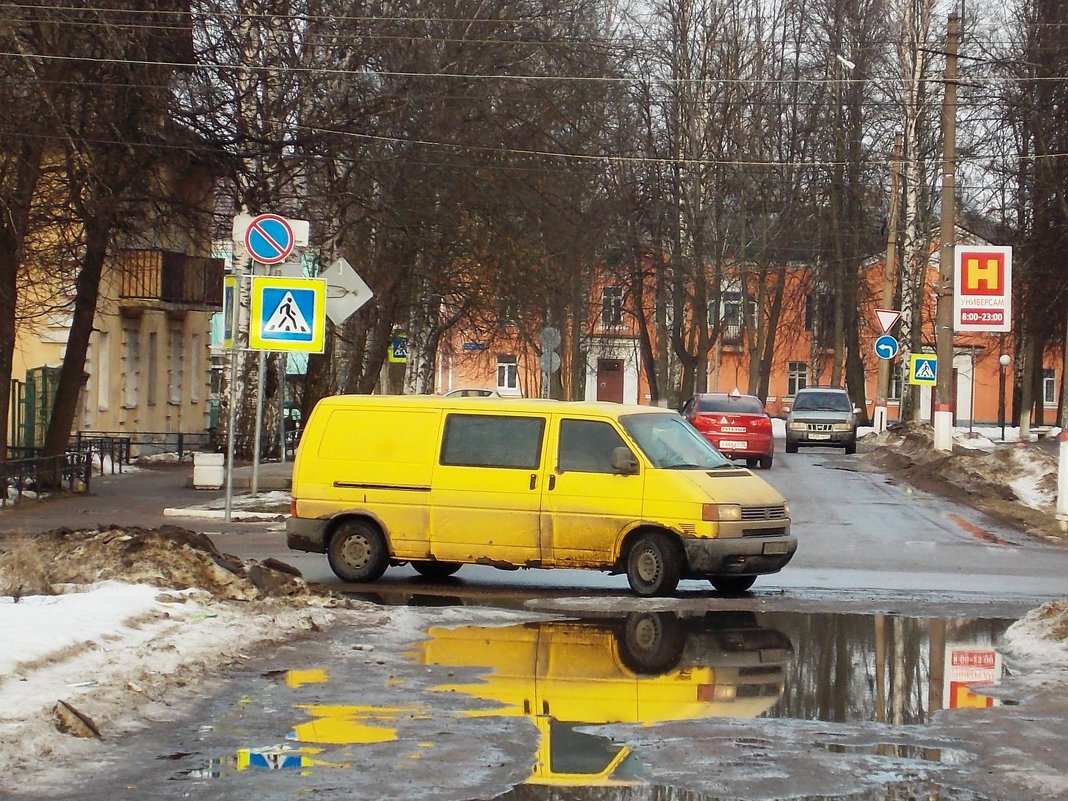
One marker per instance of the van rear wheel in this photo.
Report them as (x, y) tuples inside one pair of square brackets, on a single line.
[(434, 569), (653, 565), (357, 552)]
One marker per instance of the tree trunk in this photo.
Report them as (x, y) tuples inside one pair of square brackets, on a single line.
[(72, 373)]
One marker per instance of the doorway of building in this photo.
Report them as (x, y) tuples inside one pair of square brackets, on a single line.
[(610, 380)]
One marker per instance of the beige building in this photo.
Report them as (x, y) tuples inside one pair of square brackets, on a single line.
[(148, 369)]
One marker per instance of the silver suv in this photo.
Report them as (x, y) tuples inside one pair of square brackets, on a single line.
[(822, 416)]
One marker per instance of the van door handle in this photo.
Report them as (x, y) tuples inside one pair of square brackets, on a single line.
[(533, 480), (552, 481)]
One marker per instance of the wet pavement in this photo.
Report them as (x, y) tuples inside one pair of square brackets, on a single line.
[(465, 704)]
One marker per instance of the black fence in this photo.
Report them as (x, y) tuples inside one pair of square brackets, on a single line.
[(142, 443), (108, 452), (69, 472)]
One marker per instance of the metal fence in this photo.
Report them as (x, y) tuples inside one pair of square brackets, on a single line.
[(68, 472), (145, 443)]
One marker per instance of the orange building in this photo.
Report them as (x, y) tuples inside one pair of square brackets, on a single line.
[(611, 368)]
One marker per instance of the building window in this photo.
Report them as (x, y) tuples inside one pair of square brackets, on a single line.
[(507, 373), (611, 307), (734, 306), (102, 351), (798, 377), (1049, 387), (131, 364), (819, 315), (896, 375), (150, 379), (175, 365), (194, 368)]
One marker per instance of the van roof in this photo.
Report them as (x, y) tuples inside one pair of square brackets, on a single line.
[(534, 405)]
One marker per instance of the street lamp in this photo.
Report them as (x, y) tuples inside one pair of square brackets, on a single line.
[(1004, 360)]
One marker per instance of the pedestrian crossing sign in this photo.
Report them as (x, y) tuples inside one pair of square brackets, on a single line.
[(923, 369), (287, 314)]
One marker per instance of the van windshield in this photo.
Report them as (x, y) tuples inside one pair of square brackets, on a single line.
[(672, 443)]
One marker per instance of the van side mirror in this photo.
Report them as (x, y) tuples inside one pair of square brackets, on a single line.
[(623, 461)]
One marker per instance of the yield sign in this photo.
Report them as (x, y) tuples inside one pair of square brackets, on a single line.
[(345, 291), (887, 318)]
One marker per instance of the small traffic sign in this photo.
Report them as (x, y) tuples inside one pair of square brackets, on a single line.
[(345, 291), (923, 369), (887, 318), (230, 307), (398, 349), (287, 314), (269, 238), (886, 347)]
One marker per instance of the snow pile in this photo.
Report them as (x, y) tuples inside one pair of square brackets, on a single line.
[(1039, 640), (1005, 478)]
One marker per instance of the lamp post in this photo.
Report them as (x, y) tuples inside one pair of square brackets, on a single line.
[(1004, 360)]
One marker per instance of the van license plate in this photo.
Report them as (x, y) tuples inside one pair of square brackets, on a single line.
[(733, 444), (776, 548), (819, 436)]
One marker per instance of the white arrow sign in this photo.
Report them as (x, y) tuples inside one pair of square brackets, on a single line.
[(345, 291)]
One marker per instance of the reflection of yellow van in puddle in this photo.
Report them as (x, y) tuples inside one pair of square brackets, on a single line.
[(442, 482), (570, 676)]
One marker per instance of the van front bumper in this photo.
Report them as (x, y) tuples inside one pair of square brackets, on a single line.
[(303, 534), (737, 555)]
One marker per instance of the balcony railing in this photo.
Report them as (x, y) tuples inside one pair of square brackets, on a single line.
[(169, 277)]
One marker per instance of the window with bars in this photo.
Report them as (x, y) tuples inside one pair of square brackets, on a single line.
[(612, 307)]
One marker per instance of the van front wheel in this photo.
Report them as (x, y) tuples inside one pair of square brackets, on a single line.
[(653, 565), (357, 552)]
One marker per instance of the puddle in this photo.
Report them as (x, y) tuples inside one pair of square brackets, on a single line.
[(562, 689)]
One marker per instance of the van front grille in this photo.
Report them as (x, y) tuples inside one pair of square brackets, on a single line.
[(764, 512)]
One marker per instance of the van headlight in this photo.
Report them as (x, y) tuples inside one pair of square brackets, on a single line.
[(842, 427), (721, 512), (797, 426)]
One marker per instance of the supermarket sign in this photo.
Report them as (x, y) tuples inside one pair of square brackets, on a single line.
[(982, 288), (968, 667)]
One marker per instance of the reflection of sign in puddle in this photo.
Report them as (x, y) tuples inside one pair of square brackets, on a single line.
[(951, 756)]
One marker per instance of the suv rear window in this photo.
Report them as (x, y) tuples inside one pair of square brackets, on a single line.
[(745, 404), (822, 402)]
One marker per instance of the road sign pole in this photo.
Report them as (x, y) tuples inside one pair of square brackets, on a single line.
[(232, 411), (882, 387), (260, 371), (943, 408)]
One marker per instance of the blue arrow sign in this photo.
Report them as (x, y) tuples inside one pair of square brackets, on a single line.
[(886, 347), (269, 238)]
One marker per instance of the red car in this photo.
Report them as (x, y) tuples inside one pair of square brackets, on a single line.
[(737, 425)]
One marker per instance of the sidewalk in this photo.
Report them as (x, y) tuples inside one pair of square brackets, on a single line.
[(149, 497)]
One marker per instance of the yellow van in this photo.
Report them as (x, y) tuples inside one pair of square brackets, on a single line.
[(442, 482)]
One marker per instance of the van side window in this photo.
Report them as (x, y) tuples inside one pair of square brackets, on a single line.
[(482, 440), (586, 446)]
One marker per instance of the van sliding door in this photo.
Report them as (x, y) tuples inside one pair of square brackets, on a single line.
[(485, 503)]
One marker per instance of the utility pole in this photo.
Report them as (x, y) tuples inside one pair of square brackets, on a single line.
[(943, 409), (882, 387)]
